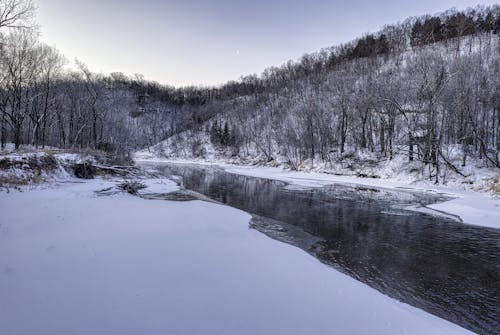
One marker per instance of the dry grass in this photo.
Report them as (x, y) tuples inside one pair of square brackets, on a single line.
[(28, 169), (6, 181), (494, 184), (131, 186)]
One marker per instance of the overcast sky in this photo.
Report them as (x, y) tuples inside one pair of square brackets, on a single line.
[(182, 42)]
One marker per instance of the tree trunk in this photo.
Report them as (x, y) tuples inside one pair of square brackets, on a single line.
[(410, 147)]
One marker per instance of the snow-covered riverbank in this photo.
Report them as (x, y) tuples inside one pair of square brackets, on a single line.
[(72, 261), (473, 207)]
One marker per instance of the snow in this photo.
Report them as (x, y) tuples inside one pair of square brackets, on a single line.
[(28, 167), (9, 147), (158, 185), (475, 208), (78, 262)]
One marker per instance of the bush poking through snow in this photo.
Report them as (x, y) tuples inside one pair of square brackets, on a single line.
[(494, 185), (22, 169), (132, 186)]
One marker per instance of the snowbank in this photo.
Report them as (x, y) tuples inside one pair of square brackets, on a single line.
[(81, 263), (158, 185), (28, 168)]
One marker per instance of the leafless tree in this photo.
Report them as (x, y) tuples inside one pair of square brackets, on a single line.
[(16, 13)]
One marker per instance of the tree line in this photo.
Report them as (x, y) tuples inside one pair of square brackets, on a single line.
[(422, 87), (384, 94)]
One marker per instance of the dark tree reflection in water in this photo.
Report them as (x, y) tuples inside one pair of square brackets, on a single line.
[(447, 268)]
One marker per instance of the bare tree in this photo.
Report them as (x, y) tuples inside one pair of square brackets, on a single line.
[(16, 13)]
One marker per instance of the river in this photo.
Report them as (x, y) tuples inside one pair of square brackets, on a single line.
[(434, 263)]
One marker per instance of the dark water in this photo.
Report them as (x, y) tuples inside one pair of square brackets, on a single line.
[(447, 268)]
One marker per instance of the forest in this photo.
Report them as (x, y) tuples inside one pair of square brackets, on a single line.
[(427, 88)]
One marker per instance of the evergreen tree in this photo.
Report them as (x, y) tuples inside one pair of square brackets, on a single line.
[(214, 134), (225, 135), (416, 34)]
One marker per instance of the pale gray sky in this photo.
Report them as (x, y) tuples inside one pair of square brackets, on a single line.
[(182, 42)]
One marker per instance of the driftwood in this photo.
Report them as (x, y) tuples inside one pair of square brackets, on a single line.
[(119, 170), (88, 170), (451, 166), (132, 186)]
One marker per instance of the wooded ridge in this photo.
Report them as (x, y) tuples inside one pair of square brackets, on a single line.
[(427, 88)]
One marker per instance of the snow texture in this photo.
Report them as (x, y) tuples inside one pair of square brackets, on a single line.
[(157, 186), (81, 263)]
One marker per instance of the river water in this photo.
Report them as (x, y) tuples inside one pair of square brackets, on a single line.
[(444, 267)]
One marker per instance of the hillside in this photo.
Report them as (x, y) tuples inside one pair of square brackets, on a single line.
[(429, 113), (421, 96)]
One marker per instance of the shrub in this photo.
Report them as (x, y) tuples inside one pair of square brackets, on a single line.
[(84, 170), (131, 186)]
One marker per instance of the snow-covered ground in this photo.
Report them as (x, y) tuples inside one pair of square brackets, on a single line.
[(30, 166), (73, 261), (473, 207), (157, 186)]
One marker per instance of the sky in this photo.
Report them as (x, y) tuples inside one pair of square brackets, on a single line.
[(208, 42)]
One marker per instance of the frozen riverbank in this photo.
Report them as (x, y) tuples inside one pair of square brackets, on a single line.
[(80, 263), (473, 207)]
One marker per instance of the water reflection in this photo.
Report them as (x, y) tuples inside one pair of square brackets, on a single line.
[(447, 268)]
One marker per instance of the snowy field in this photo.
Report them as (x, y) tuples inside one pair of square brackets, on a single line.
[(473, 207), (81, 263)]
